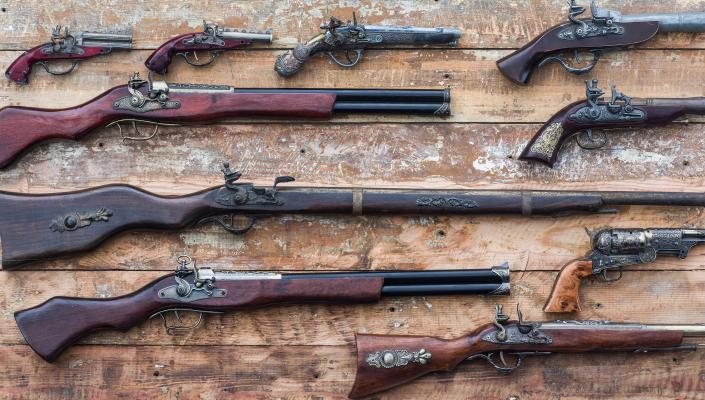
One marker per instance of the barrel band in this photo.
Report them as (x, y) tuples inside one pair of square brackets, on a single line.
[(357, 201)]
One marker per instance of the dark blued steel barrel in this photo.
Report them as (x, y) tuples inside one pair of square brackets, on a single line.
[(493, 280), (392, 101)]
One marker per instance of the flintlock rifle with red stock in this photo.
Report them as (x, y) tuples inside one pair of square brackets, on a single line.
[(162, 103), (68, 46), (607, 29), (213, 39), (619, 111), (52, 326), (36, 227), (387, 361)]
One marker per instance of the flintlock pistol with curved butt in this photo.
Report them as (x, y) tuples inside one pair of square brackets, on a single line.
[(607, 29)]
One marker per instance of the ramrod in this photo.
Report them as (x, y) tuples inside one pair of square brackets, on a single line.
[(35, 227)]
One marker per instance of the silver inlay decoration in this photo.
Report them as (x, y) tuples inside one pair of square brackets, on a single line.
[(397, 358), (77, 220)]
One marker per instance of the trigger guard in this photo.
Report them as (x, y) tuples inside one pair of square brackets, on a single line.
[(358, 57)]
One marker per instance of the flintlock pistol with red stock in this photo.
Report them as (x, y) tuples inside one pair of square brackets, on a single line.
[(607, 29), (66, 45)]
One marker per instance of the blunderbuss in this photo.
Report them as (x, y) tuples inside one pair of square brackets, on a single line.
[(66, 46), (214, 39), (387, 361), (607, 29), (161, 103), (352, 39), (39, 226), (52, 326), (579, 119)]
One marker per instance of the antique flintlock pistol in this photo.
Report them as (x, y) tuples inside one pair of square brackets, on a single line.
[(614, 249), (52, 326), (161, 103), (596, 112), (607, 29), (387, 361), (66, 45), (213, 39), (36, 227), (352, 38)]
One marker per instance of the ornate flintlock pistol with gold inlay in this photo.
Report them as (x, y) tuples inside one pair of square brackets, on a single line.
[(596, 112), (52, 326), (387, 361)]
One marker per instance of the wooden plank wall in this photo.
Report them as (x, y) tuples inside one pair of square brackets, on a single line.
[(301, 352)]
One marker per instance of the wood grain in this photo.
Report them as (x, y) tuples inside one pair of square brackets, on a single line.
[(304, 352)]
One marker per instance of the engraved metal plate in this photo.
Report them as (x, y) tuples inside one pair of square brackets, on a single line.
[(397, 358), (548, 140), (515, 336), (170, 293), (124, 103), (450, 202)]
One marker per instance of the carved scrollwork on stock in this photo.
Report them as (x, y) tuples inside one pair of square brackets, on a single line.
[(445, 202), (548, 140), (397, 358), (77, 220)]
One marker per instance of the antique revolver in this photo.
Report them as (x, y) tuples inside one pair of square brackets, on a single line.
[(66, 45), (387, 361), (213, 39), (614, 249), (351, 39), (607, 29), (52, 326), (619, 111)]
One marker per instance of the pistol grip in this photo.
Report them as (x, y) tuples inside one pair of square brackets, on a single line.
[(19, 70), (565, 294), (289, 63)]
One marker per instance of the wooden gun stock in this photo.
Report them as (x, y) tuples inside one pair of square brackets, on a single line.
[(519, 65), (160, 59), (565, 294), (44, 226), (384, 362), (19, 70), (21, 127), (51, 327)]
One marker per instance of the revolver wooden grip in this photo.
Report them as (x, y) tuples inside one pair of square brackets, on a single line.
[(565, 294)]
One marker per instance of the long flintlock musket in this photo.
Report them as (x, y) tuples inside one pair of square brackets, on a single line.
[(35, 227), (580, 118), (52, 326), (162, 103), (607, 29), (387, 361)]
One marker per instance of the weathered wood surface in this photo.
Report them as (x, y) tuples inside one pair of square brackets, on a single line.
[(306, 351)]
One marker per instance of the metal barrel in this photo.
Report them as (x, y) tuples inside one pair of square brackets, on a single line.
[(671, 22), (100, 39), (693, 234), (411, 35), (418, 283), (689, 330), (258, 37)]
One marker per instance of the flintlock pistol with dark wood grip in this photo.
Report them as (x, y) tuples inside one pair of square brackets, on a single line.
[(65, 45), (213, 39), (614, 249), (162, 103), (36, 227), (596, 112), (387, 361), (52, 326), (607, 29)]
